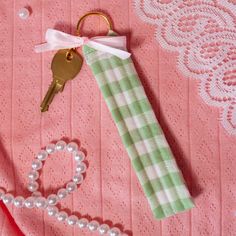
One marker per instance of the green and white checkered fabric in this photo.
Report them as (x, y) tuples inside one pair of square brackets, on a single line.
[(140, 132)]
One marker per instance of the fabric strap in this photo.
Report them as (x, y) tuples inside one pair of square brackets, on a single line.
[(140, 132)]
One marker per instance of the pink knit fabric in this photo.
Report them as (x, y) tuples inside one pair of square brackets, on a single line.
[(203, 149)]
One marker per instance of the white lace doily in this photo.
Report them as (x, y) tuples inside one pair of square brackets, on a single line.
[(204, 34)]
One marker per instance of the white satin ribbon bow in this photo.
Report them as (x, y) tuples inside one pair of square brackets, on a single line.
[(56, 39)]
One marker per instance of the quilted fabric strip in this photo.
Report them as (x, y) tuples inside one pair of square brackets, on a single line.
[(140, 132)]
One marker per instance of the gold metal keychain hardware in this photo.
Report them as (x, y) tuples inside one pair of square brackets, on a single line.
[(66, 64), (93, 13)]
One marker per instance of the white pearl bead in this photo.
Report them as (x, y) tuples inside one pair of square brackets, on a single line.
[(33, 175), (29, 202), (33, 186), (23, 13), (36, 165), (62, 193), (52, 210), (72, 147), (79, 156), (81, 167), (8, 198), (19, 201), (60, 145), (62, 216), (103, 229), (51, 148), (2, 192), (78, 178), (70, 187), (36, 194), (93, 225), (82, 223), (42, 155), (41, 202), (114, 231), (72, 220), (52, 199)]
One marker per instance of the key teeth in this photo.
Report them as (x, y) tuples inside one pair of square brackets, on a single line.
[(44, 109)]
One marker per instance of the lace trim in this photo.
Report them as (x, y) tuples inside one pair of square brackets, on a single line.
[(204, 35)]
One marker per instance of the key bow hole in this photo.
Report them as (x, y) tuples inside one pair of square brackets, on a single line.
[(69, 56)]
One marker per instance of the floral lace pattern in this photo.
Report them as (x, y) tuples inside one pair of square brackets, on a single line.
[(204, 35)]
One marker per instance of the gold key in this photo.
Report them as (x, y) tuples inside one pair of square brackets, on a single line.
[(66, 64)]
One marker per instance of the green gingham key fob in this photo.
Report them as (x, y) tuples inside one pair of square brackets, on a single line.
[(139, 130)]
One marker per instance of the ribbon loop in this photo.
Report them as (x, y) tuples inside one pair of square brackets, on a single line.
[(56, 39)]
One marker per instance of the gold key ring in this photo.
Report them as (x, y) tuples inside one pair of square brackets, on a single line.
[(97, 13)]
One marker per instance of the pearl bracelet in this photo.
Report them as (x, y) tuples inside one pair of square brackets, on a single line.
[(36, 200)]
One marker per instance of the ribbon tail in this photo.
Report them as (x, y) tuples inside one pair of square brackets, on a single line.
[(56, 39), (49, 46), (122, 54), (43, 47)]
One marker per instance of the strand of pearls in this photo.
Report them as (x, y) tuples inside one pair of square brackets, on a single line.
[(49, 204)]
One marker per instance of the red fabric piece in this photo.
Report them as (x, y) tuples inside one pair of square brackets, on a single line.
[(11, 221)]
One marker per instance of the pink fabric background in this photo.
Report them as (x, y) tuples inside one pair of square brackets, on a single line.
[(204, 151)]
